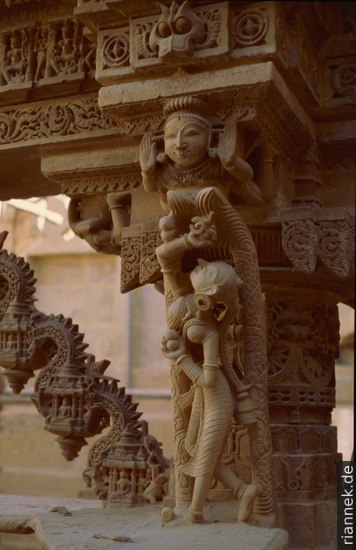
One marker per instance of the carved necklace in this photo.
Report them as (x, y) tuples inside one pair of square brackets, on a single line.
[(208, 170)]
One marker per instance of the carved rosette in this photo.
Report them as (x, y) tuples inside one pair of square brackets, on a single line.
[(250, 27), (343, 80), (307, 241)]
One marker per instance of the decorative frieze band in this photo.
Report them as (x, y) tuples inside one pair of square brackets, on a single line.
[(184, 34), (105, 183), (36, 57), (47, 121)]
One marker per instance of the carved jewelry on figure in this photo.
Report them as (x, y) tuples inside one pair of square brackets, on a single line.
[(195, 154)]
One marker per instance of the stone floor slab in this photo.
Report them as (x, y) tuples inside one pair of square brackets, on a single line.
[(90, 527)]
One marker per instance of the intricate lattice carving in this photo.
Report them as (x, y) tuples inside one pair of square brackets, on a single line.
[(130, 267), (308, 61), (149, 267)]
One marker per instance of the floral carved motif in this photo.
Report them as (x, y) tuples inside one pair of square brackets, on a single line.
[(330, 241), (306, 475), (302, 342), (299, 241), (48, 121)]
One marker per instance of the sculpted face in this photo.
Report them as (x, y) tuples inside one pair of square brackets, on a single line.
[(186, 139)]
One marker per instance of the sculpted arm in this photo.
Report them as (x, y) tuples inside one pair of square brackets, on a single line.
[(148, 162), (232, 161), (206, 376)]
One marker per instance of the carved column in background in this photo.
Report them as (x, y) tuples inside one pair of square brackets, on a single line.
[(302, 347)]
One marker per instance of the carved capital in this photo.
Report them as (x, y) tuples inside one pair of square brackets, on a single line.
[(319, 237)]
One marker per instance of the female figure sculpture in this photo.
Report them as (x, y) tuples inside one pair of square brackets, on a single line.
[(190, 160), (196, 174), (216, 302)]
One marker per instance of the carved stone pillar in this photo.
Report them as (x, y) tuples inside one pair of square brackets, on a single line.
[(303, 334)]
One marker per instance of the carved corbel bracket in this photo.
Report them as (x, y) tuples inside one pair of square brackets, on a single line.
[(325, 235)]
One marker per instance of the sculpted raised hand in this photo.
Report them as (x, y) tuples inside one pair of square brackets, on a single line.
[(229, 155), (148, 155), (227, 147)]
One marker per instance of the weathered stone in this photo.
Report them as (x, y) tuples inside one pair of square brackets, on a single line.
[(281, 77)]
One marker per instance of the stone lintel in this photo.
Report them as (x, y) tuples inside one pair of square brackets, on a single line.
[(247, 80), (259, 85)]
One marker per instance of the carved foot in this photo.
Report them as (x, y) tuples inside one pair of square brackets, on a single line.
[(167, 515), (196, 517), (171, 518), (246, 502)]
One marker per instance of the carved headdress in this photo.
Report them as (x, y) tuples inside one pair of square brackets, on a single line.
[(188, 106)]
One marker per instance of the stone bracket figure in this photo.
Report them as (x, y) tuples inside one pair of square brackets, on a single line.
[(190, 161), (99, 219), (195, 174)]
